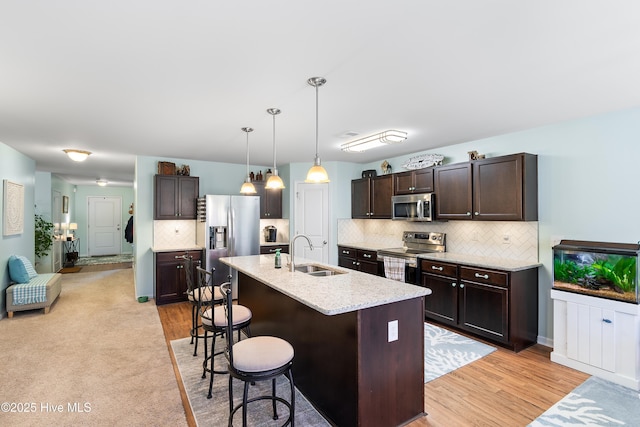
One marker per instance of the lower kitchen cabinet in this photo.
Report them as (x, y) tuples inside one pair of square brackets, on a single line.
[(598, 336), (501, 306), (170, 278), (358, 259)]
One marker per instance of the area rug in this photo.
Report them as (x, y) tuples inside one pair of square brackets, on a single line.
[(446, 351), (108, 259), (215, 411), (596, 402)]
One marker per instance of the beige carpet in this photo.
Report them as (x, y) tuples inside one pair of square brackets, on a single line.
[(99, 358)]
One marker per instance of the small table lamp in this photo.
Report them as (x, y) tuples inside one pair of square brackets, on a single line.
[(73, 227)]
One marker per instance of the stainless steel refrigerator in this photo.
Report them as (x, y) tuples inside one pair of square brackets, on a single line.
[(230, 227)]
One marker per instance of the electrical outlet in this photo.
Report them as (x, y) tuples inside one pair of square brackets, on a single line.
[(392, 329), (506, 239)]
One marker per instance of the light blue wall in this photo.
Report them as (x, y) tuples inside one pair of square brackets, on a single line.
[(587, 182), (20, 169)]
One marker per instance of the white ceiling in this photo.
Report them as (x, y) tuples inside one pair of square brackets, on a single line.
[(172, 78)]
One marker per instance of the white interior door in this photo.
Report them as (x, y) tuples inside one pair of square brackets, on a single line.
[(104, 228), (312, 219)]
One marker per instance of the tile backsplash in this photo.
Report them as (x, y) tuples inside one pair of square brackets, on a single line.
[(501, 239), (170, 234)]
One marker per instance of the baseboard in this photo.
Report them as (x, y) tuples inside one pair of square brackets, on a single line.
[(545, 341)]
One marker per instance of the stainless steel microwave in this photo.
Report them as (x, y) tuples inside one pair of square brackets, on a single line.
[(413, 207)]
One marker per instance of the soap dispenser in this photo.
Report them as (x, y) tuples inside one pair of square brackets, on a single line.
[(278, 259)]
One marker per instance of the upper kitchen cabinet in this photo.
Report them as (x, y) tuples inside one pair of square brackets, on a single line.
[(175, 196), (496, 189), (416, 181), (371, 197), (270, 201)]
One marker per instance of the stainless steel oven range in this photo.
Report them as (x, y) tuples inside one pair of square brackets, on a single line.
[(414, 244)]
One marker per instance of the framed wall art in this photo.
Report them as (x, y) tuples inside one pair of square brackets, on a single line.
[(65, 204), (13, 214)]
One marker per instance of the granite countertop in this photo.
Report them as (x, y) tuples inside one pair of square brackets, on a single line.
[(481, 261), (457, 258), (330, 295), (190, 248)]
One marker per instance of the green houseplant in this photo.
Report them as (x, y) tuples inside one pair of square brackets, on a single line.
[(44, 236)]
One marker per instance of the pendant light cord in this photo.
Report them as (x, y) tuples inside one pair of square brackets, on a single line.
[(316, 121)]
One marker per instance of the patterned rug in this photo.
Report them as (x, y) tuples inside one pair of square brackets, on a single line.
[(109, 259), (596, 402), (446, 351)]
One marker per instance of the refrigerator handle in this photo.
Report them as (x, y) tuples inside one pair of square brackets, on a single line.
[(230, 231)]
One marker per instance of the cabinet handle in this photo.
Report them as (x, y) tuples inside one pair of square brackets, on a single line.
[(433, 267), (482, 276), (454, 284), (607, 320), (468, 213), (366, 256), (461, 286), (345, 252), (272, 250)]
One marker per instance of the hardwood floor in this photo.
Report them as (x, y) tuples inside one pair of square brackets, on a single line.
[(501, 389)]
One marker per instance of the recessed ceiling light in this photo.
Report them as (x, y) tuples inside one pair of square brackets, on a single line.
[(102, 182)]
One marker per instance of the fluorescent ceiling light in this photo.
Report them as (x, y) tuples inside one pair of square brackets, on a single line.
[(77, 155), (102, 182), (373, 141)]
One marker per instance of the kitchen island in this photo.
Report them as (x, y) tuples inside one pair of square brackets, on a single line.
[(358, 339)]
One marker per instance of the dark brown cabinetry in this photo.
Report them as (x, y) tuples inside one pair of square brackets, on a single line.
[(498, 305), (175, 196), (417, 181), (358, 259), (496, 189), (271, 249), (371, 197), (270, 201), (170, 278)]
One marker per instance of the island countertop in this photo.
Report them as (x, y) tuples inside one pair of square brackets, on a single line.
[(328, 295)]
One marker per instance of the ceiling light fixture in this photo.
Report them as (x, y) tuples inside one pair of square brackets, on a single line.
[(247, 187), (373, 141), (102, 182), (317, 173), (274, 182), (77, 155)]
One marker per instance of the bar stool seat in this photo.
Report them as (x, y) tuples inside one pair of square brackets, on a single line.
[(256, 359)]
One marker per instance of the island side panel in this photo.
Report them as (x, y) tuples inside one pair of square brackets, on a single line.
[(325, 366), (391, 383)]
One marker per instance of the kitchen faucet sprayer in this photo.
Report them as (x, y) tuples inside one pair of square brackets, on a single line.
[(292, 265)]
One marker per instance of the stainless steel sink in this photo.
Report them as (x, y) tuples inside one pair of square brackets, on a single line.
[(317, 270)]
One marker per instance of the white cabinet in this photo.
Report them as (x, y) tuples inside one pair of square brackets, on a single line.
[(598, 336)]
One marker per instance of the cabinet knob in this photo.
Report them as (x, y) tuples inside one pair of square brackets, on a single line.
[(454, 284), (482, 276), (354, 263), (468, 213), (476, 213), (433, 267), (461, 286)]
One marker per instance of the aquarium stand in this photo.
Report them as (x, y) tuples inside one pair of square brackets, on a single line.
[(598, 336)]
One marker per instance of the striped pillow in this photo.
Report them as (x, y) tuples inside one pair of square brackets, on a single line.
[(28, 266)]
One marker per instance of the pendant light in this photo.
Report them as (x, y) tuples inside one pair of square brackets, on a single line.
[(274, 182), (247, 187), (317, 173)]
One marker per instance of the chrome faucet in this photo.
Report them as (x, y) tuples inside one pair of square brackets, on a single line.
[(292, 265)]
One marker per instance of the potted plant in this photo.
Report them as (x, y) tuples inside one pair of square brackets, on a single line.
[(44, 236)]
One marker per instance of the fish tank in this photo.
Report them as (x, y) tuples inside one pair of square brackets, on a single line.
[(599, 269)]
